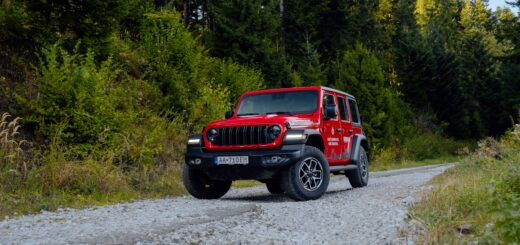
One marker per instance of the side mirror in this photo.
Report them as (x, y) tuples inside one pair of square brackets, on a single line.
[(229, 114), (330, 111)]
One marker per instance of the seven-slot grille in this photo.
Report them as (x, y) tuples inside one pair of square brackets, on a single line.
[(245, 135)]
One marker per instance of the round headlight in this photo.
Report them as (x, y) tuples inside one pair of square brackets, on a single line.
[(212, 135), (274, 131)]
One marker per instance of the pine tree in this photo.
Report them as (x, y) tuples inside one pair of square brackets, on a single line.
[(248, 32)]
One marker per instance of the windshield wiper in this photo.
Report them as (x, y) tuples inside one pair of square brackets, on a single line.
[(247, 114), (280, 112)]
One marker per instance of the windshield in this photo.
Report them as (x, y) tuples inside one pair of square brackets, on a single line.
[(294, 102)]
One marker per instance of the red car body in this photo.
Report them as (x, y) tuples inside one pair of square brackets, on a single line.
[(336, 134), (265, 145)]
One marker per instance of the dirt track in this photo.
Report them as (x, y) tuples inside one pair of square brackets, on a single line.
[(370, 215)]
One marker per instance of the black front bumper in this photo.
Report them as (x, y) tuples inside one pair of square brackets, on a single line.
[(259, 166)]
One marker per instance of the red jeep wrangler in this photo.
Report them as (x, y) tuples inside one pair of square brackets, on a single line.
[(291, 139)]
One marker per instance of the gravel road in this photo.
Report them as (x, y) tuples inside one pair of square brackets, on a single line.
[(371, 215)]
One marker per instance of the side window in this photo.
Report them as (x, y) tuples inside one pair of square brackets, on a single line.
[(343, 113), (328, 99), (354, 111)]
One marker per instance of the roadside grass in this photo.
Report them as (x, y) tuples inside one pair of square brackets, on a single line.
[(378, 166), (478, 200), (145, 162), (30, 200), (33, 179)]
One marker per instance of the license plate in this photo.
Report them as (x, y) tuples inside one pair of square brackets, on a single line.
[(232, 160)]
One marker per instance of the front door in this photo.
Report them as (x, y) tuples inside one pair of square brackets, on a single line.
[(332, 132)]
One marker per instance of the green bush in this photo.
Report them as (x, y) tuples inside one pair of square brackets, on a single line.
[(77, 102), (193, 84), (429, 145)]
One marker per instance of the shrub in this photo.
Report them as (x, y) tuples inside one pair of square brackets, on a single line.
[(77, 103), (429, 145), (192, 84), (483, 192)]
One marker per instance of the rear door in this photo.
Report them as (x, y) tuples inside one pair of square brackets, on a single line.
[(355, 118), (346, 127), (331, 132)]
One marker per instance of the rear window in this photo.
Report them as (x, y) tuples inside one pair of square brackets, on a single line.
[(354, 111), (342, 109)]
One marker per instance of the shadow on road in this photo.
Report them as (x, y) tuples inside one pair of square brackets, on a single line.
[(265, 198)]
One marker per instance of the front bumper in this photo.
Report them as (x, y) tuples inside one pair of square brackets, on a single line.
[(261, 165)]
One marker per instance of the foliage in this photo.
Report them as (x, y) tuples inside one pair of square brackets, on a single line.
[(386, 118), (109, 90), (77, 99), (247, 31), (482, 192), (112, 128)]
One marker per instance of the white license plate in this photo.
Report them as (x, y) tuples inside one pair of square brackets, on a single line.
[(232, 160)]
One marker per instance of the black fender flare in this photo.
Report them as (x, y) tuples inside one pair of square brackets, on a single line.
[(358, 141)]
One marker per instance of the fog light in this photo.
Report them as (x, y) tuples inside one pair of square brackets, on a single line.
[(191, 161), (274, 159), (198, 161)]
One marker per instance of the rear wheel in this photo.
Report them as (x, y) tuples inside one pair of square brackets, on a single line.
[(308, 179), (359, 177), (201, 186), (274, 186)]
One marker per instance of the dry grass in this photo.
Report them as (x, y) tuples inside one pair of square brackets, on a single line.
[(10, 145), (144, 164), (467, 201)]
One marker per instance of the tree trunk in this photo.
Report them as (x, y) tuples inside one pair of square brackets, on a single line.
[(186, 12), (281, 17)]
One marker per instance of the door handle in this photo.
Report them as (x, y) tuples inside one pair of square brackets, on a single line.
[(350, 131), (339, 130)]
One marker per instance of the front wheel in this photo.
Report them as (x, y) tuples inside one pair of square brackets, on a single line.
[(359, 176), (201, 186), (308, 179)]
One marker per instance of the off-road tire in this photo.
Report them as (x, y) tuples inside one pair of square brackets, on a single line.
[(294, 186), (201, 186), (274, 186), (359, 177)]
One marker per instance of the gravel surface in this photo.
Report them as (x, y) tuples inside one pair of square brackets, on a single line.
[(371, 215)]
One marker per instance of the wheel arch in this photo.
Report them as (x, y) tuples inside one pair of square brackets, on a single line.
[(317, 141), (359, 141)]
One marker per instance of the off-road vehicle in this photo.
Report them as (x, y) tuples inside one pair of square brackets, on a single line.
[(291, 139)]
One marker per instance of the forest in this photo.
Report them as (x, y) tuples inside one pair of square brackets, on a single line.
[(98, 96)]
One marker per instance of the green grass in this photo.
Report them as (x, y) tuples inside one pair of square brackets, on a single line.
[(481, 193), (35, 198)]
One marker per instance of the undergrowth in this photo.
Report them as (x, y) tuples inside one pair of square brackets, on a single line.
[(478, 200)]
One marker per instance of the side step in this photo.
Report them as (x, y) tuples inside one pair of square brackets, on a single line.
[(341, 168)]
